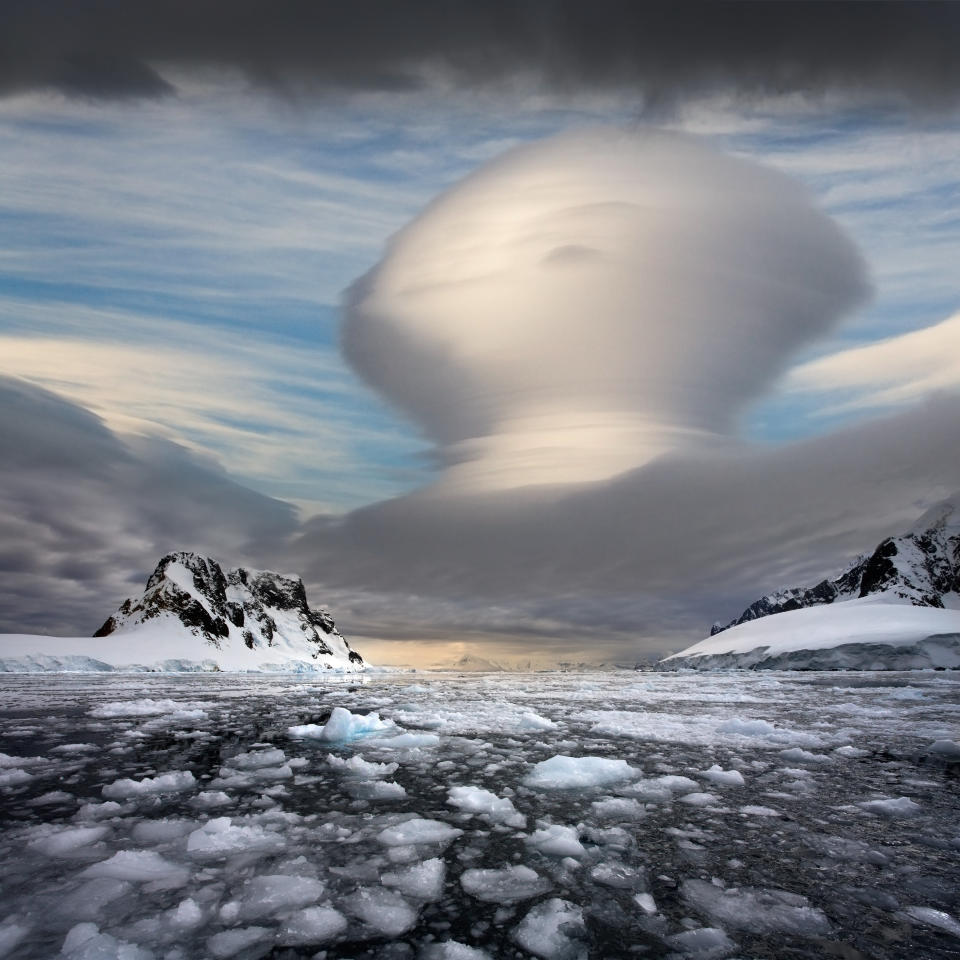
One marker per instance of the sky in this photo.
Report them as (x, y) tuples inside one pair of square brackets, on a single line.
[(536, 331)]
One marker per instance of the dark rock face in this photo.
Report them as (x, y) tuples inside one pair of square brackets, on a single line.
[(921, 567), (210, 602)]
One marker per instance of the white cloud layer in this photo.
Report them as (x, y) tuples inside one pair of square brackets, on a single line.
[(890, 373), (585, 304)]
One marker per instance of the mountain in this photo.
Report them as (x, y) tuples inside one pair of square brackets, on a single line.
[(194, 612), (921, 568), (468, 662), (897, 608)]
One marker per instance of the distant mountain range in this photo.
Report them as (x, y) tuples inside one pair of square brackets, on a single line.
[(921, 568)]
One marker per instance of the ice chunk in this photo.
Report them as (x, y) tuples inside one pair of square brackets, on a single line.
[(672, 782), (553, 930), (617, 875), (557, 840), (756, 910), (68, 841), (383, 910), (187, 914), (453, 950), (706, 943), (356, 766), (422, 881), (211, 798), (161, 831), (257, 759), (946, 748), (176, 782), (14, 776), (343, 726), (934, 918), (86, 942), (139, 866), (747, 728), (561, 772), (888, 807), (407, 741), (700, 799), (141, 708), (508, 885), (851, 753), (220, 838), (617, 808), (231, 942), (267, 895), (478, 800), (646, 903), (723, 778), (312, 925), (418, 830), (756, 811), (533, 721), (796, 755)]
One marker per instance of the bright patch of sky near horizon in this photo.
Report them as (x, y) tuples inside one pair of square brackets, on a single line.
[(177, 266)]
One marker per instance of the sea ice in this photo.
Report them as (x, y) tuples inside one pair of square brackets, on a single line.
[(220, 838), (561, 772), (705, 943), (231, 942), (383, 910), (270, 894), (756, 910), (557, 840), (177, 781), (509, 885), (356, 766), (723, 778), (343, 726), (890, 807), (139, 866), (312, 925), (422, 881), (417, 830), (478, 800), (553, 930)]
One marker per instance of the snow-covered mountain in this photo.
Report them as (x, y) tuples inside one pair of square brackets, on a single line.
[(897, 608), (921, 568), (192, 611)]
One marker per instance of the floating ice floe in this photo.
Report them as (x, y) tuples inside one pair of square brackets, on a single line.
[(418, 830), (891, 807), (723, 778), (756, 910), (356, 766), (562, 772), (508, 885), (422, 881), (342, 727), (139, 866), (557, 840), (178, 781), (480, 801), (553, 930)]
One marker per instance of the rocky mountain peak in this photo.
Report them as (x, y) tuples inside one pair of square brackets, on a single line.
[(921, 568), (255, 607)]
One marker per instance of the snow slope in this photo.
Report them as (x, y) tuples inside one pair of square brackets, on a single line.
[(877, 632), (194, 616), (922, 568)]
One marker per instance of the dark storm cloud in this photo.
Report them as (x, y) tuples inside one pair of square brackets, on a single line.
[(666, 51), (85, 514)]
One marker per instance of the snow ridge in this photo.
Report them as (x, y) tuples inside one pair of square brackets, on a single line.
[(921, 568)]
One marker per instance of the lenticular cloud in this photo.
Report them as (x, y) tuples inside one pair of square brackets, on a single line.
[(586, 303)]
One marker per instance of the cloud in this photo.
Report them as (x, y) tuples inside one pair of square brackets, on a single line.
[(894, 371), (664, 51), (587, 303), (86, 513), (578, 328)]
